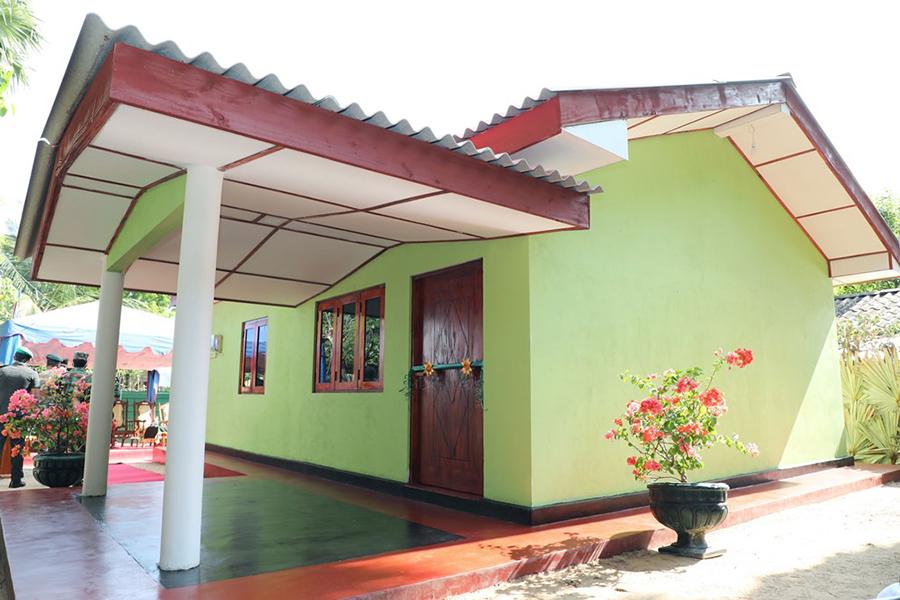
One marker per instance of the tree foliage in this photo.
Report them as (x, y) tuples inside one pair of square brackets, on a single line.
[(15, 273), (18, 37), (888, 206)]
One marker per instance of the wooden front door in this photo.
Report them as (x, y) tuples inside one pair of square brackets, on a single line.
[(447, 445)]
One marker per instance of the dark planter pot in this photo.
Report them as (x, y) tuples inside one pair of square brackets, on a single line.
[(691, 509), (59, 470)]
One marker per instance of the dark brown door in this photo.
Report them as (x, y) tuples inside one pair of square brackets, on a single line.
[(447, 445)]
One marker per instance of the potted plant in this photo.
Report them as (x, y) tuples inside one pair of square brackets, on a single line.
[(668, 429), (53, 423)]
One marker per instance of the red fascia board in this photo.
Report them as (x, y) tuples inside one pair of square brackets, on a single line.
[(92, 112), (590, 106), (151, 82), (830, 155), (525, 129)]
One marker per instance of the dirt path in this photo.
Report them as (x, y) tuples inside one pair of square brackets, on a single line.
[(847, 548)]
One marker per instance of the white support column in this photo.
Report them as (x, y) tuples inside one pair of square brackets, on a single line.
[(183, 491), (96, 461)]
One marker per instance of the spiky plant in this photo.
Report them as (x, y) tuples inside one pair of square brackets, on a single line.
[(881, 374), (856, 410), (881, 431)]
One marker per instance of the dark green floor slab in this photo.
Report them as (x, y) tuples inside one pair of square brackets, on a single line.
[(255, 526)]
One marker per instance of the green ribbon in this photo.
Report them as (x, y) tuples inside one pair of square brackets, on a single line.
[(421, 368)]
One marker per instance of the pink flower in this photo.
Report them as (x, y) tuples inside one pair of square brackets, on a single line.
[(652, 465), (651, 433), (631, 408), (685, 384), (752, 449), (610, 434)]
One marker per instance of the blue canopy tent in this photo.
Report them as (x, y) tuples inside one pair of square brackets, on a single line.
[(145, 339)]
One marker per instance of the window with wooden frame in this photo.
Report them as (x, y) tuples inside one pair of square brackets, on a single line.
[(253, 356), (350, 342)]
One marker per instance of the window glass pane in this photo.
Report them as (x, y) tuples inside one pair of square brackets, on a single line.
[(326, 345), (372, 340), (260, 380), (348, 341), (246, 369)]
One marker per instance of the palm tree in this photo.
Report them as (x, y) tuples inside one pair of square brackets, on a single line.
[(18, 36)]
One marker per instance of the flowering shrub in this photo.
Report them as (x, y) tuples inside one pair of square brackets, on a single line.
[(53, 421), (677, 419)]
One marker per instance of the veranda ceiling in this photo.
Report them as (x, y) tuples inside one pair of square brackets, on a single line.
[(312, 190)]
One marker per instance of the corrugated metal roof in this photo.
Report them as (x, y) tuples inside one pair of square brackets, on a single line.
[(513, 111), (95, 42)]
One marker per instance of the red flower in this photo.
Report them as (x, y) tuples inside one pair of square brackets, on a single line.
[(610, 434), (740, 357), (652, 406), (691, 428), (712, 397), (618, 422), (632, 460), (652, 465)]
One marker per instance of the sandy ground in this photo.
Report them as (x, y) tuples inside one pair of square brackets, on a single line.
[(846, 548)]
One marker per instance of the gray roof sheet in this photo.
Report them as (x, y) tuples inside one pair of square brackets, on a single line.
[(884, 303), (95, 42), (513, 111)]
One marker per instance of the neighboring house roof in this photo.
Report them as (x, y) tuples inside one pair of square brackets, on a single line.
[(96, 41), (767, 123), (883, 303)]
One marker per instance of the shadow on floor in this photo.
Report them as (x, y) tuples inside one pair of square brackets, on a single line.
[(256, 526)]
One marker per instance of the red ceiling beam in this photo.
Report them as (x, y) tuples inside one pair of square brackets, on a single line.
[(148, 81), (93, 111)]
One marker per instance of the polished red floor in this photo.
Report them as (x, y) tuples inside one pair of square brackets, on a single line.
[(57, 549)]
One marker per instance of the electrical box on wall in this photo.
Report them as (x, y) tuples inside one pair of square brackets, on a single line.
[(215, 345)]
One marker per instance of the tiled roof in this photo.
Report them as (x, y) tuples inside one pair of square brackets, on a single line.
[(884, 303)]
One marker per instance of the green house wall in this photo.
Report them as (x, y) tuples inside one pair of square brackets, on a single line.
[(687, 252), (368, 432)]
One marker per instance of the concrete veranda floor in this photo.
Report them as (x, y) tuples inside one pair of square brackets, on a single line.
[(275, 533)]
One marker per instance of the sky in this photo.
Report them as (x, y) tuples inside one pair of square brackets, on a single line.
[(448, 65)]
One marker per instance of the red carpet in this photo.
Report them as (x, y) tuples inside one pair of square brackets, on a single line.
[(120, 473)]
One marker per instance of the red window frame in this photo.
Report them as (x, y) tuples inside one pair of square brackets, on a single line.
[(336, 305), (253, 326)]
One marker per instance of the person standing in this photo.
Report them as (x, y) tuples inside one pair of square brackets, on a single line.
[(77, 373), (14, 377), (54, 361)]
